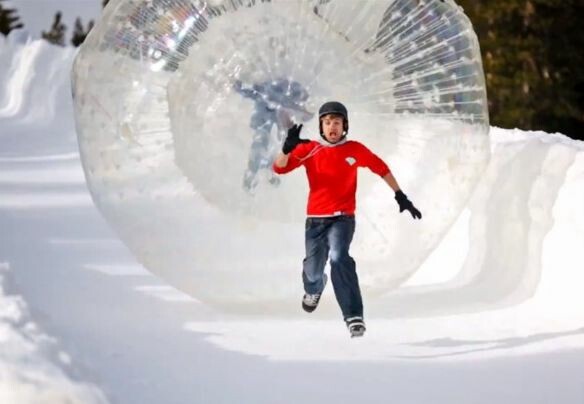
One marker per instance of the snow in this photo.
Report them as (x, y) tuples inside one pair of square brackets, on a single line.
[(32, 368), (493, 315)]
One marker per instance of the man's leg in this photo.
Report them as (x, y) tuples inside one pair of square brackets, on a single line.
[(317, 250), (343, 271), (261, 123)]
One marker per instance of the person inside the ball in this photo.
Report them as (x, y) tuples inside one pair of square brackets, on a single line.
[(331, 168)]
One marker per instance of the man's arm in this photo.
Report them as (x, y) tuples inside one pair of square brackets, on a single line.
[(377, 165), (281, 160), (391, 181), (246, 91), (284, 163)]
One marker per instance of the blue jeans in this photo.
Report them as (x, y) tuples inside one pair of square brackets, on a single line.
[(330, 238)]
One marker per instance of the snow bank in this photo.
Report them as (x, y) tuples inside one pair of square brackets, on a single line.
[(34, 104), (35, 94), (531, 191), (30, 362)]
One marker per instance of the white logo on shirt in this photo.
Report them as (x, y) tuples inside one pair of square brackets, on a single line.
[(350, 160)]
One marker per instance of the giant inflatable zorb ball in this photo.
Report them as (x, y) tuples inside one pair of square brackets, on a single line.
[(181, 105)]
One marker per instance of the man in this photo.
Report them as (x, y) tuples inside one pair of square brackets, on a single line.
[(276, 102), (331, 167)]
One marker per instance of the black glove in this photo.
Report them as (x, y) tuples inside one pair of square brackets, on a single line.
[(405, 204), (293, 139)]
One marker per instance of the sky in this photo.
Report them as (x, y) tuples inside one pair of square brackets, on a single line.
[(84, 320), (38, 15)]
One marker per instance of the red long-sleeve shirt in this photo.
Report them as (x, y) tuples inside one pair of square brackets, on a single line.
[(332, 174)]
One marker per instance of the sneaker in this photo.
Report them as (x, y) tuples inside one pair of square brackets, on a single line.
[(356, 326), (310, 302)]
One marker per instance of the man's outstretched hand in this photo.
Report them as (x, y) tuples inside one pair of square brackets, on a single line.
[(293, 139), (405, 204)]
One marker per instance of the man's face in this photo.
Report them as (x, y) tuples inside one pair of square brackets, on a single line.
[(332, 127)]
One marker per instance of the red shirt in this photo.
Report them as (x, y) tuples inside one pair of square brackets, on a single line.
[(332, 174)]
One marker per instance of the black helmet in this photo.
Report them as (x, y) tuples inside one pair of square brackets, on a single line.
[(336, 108)]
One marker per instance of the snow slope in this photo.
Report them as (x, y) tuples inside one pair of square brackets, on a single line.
[(495, 314)]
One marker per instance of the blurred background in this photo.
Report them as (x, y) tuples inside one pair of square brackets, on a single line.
[(532, 52)]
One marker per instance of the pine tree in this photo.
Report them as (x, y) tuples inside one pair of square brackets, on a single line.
[(533, 62), (9, 20), (56, 35), (79, 33), (561, 67)]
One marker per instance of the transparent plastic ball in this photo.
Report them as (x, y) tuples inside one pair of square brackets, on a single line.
[(182, 105)]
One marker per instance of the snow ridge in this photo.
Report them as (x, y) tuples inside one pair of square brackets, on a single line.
[(36, 90), (30, 366)]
